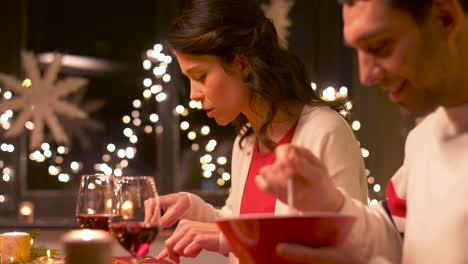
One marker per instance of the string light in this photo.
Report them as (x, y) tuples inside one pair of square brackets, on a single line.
[(226, 176), (54, 171), (376, 188), (160, 97), (157, 47), (155, 89), (61, 149), (126, 119), (110, 147), (221, 160), (184, 125), (147, 94), (192, 135), (205, 130), (146, 64), (147, 82), (365, 153), (195, 147), (128, 132), (136, 103), (154, 118), (7, 95), (207, 174), (6, 177), (220, 182), (63, 177), (74, 165), (118, 172), (329, 94), (356, 125), (106, 158), (29, 125), (343, 91), (166, 77), (180, 109), (148, 129), (135, 114), (133, 139), (193, 104), (137, 122), (314, 86)]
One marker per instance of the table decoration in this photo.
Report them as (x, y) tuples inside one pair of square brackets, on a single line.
[(15, 246), (87, 246)]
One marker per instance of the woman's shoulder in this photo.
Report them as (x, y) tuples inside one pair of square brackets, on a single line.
[(323, 118)]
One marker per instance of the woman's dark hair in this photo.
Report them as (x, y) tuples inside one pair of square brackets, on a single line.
[(226, 28), (417, 8)]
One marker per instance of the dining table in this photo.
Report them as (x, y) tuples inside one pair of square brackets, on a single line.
[(53, 239)]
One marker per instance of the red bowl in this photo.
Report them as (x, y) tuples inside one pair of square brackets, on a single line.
[(253, 238)]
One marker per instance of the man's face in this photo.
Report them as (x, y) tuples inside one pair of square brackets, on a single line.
[(406, 58)]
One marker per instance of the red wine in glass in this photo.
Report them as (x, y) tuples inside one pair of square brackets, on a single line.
[(96, 201), (135, 237), (94, 221), (131, 227)]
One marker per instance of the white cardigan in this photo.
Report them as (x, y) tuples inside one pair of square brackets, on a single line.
[(321, 130)]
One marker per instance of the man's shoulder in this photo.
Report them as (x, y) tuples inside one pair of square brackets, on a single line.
[(425, 125)]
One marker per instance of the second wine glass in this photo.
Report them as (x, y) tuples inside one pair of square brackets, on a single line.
[(129, 226), (95, 204)]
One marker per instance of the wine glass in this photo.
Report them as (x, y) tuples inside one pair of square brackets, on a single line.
[(129, 226), (96, 199)]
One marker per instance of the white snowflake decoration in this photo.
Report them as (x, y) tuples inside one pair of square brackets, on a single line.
[(278, 12), (41, 98)]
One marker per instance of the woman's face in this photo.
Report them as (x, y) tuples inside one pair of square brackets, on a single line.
[(221, 90)]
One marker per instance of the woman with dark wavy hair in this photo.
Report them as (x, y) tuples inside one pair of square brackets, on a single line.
[(240, 73)]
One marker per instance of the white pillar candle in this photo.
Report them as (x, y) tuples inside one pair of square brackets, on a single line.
[(87, 246), (15, 246)]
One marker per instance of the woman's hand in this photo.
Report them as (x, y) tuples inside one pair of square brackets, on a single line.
[(174, 206), (189, 239)]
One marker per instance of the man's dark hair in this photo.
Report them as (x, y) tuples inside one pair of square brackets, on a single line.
[(417, 8)]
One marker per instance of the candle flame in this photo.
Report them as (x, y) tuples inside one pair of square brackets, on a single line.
[(127, 210), (109, 204), (26, 210), (87, 235), (48, 253)]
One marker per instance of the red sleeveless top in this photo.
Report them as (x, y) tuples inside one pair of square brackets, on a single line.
[(253, 199)]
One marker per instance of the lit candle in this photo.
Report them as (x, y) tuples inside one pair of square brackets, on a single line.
[(87, 246), (127, 210), (49, 259), (26, 212), (15, 246)]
